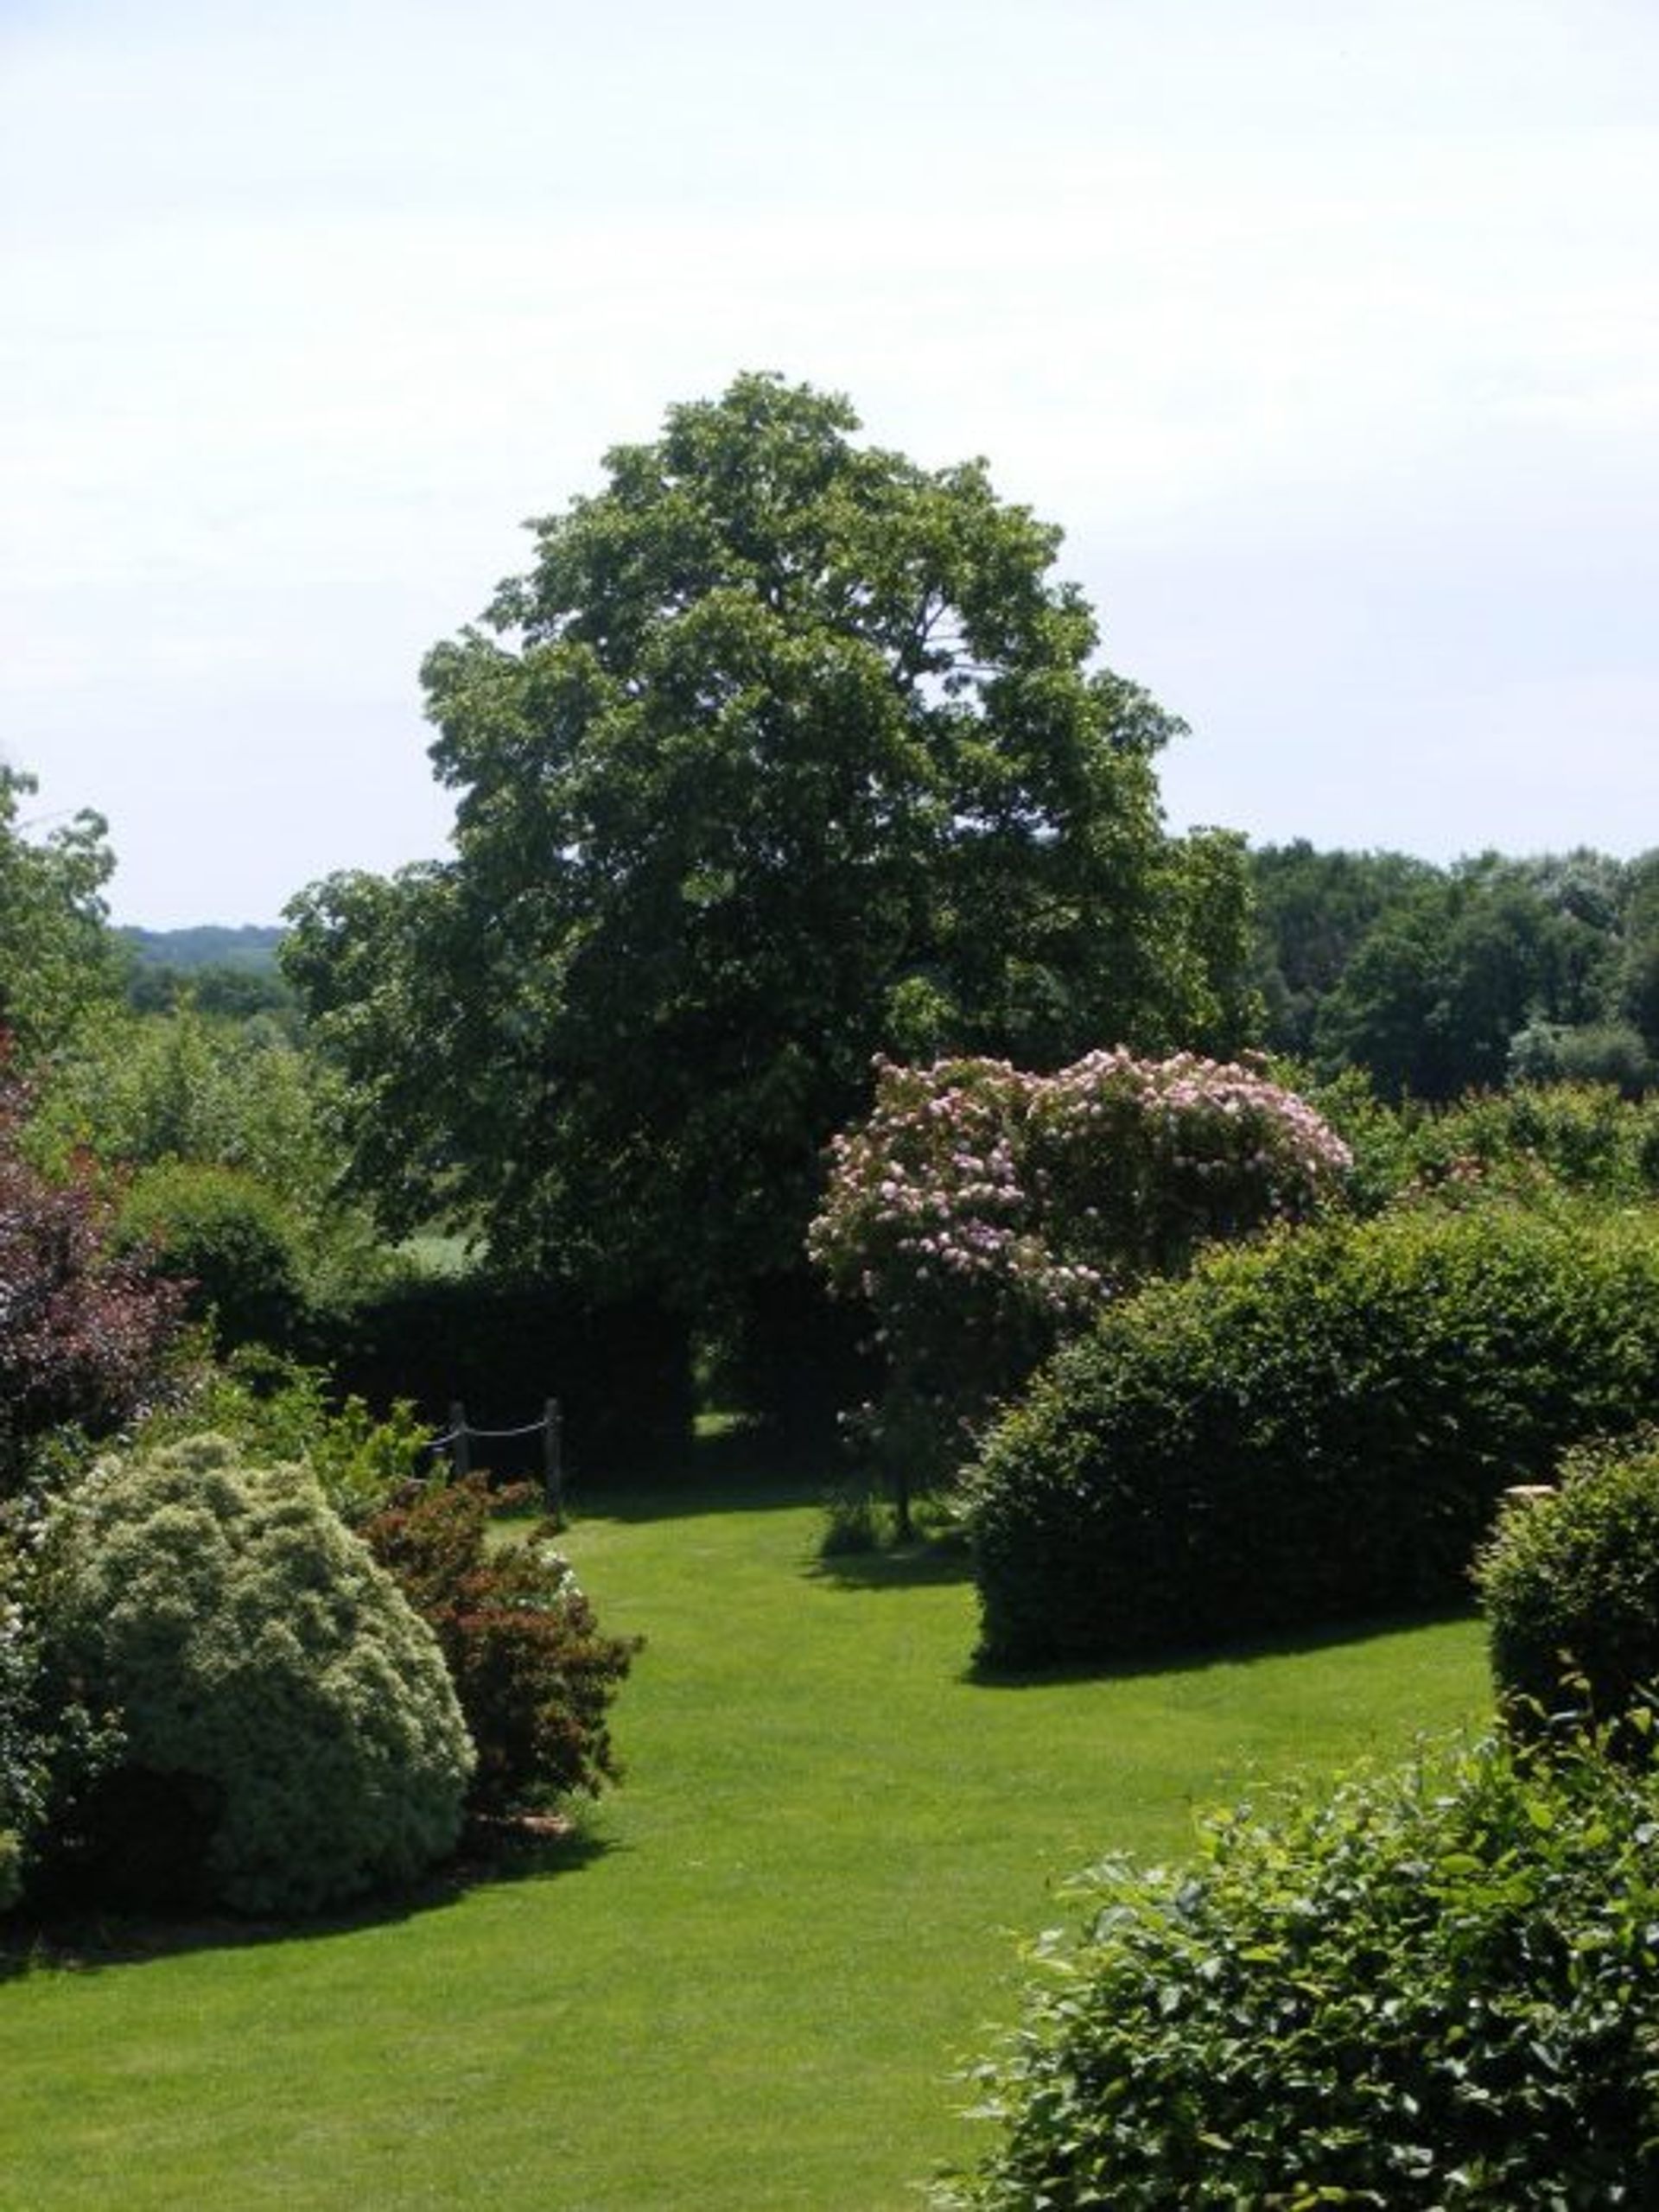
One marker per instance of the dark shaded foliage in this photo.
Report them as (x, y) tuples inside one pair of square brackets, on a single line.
[(84, 1330)]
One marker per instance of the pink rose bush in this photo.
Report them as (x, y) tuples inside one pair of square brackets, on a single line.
[(982, 1212)]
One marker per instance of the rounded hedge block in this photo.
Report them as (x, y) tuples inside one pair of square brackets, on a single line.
[(1316, 1428)]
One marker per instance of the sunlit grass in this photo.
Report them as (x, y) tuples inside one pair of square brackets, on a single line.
[(744, 1983)]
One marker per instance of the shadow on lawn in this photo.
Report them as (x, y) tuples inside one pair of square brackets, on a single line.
[(1187, 1659), (86, 1942), (922, 1564), (737, 1469)]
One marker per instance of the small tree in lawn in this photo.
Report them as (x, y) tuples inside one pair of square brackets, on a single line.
[(981, 1212)]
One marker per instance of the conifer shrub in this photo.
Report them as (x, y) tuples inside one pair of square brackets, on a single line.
[(21, 1763), (1570, 1585), (291, 1738), (1315, 1429), (1432, 1988)]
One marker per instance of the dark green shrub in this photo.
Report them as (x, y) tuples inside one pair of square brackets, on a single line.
[(1570, 1584), (1312, 1430), (1430, 1990), (534, 1674), (290, 1730), (227, 1238)]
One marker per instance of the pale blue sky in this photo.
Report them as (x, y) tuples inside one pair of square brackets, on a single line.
[(1330, 333)]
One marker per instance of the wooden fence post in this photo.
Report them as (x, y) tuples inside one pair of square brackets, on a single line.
[(552, 1463), (460, 1445)]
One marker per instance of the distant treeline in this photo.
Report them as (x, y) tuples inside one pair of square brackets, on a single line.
[(208, 945), (1436, 980), (1441, 980), (221, 969)]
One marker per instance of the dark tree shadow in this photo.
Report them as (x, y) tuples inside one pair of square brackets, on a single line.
[(897, 1566), (740, 1469), (1191, 1659), (85, 1941)]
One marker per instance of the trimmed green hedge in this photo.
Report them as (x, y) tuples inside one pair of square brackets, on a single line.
[(1430, 1989), (1311, 1430), (228, 1238)]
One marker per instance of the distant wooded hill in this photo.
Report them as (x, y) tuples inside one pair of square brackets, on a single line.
[(208, 945)]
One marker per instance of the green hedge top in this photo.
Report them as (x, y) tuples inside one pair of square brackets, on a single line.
[(1314, 1429)]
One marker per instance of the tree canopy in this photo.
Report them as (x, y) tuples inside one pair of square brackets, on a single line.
[(56, 954), (1441, 980), (784, 751)]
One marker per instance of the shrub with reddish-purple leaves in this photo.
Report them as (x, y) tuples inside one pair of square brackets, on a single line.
[(84, 1331), (533, 1671), (982, 1212)]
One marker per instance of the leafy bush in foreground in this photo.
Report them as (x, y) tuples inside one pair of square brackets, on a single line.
[(1436, 1989), (292, 1738), (1312, 1430), (1570, 1584), (533, 1673)]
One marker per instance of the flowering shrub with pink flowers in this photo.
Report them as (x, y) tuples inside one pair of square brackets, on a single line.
[(982, 1212)]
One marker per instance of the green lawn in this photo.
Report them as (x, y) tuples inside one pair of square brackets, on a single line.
[(744, 1984)]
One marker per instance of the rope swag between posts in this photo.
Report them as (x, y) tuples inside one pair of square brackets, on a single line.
[(461, 1435)]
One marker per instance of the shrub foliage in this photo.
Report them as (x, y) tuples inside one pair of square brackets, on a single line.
[(226, 1240), (289, 1725), (84, 1331), (1570, 1584), (534, 1674), (1315, 1429), (1434, 1989)]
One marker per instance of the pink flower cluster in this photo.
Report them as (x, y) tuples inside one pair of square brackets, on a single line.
[(980, 1210)]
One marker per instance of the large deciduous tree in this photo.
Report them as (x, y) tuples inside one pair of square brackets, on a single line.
[(784, 751)]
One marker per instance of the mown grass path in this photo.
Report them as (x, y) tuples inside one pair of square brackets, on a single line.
[(744, 1985)]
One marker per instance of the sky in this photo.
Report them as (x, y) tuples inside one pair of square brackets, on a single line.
[(1328, 330)]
